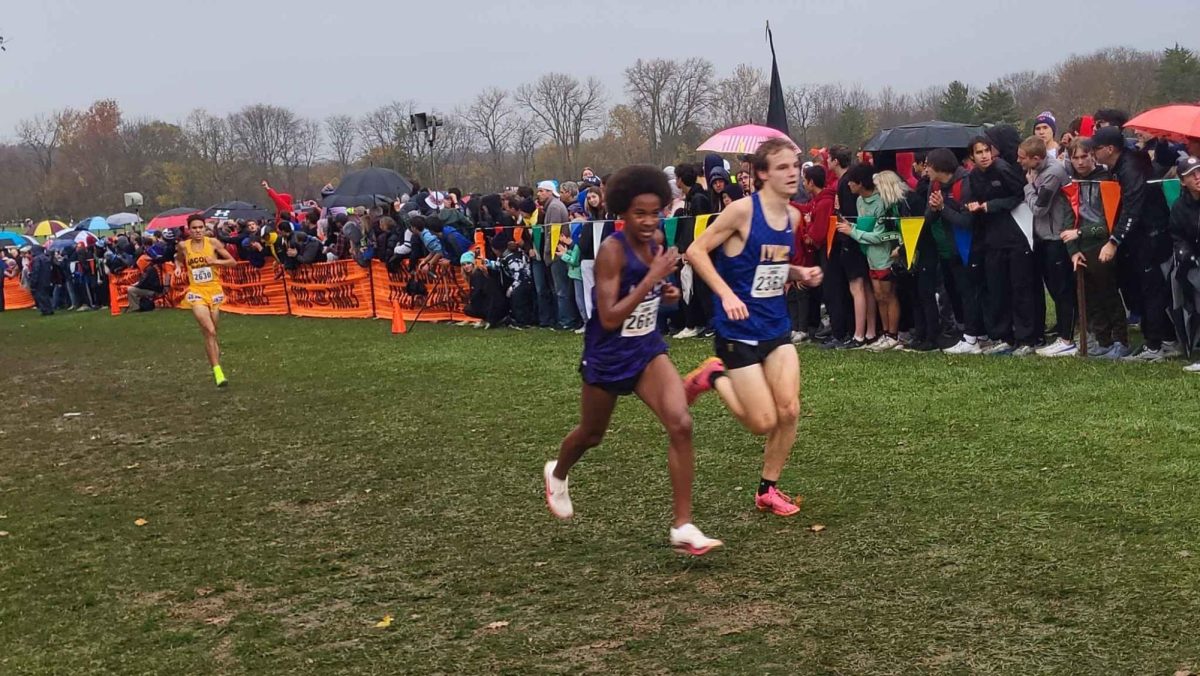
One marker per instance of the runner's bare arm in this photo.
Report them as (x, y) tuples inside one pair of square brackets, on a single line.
[(733, 221), (609, 261), (222, 258)]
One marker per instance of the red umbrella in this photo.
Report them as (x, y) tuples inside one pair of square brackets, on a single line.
[(173, 218), (1178, 122)]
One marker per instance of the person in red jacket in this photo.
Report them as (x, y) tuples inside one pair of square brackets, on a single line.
[(282, 200), (809, 249)]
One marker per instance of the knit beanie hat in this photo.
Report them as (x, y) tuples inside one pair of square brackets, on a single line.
[(1047, 117)]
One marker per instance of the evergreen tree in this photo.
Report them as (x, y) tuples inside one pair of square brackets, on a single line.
[(957, 104), (996, 105), (852, 126), (1179, 76)]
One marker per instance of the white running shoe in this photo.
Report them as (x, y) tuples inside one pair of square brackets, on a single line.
[(1145, 355), (799, 337), (687, 333), (963, 347), (557, 497), (687, 539), (1059, 348), (1192, 368), (884, 344), (581, 330), (999, 347)]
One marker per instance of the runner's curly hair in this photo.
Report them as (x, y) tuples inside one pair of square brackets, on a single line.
[(628, 183)]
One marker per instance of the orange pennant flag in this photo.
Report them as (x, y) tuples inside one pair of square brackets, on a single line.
[(519, 234), (1110, 195), (398, 324), (830, 235)]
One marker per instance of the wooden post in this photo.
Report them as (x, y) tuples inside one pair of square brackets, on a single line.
[(1081, 301)]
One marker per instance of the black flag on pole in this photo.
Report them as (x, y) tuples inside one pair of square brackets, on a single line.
[(776, 110)]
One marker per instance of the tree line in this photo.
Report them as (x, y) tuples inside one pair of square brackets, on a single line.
[(76, 163)]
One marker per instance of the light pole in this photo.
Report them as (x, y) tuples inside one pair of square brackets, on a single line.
[(428, 124)]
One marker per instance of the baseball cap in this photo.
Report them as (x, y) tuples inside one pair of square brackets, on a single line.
[(1109, 136), (1186, 165), (547, 185)]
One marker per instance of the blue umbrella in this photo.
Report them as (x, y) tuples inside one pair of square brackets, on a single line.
[(93, 224), (15, 239)]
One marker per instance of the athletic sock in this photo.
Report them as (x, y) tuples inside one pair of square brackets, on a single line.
[(971, 340), (765, 485), (712, 378)]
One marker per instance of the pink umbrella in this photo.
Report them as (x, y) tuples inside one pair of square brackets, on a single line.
[(742, 140)]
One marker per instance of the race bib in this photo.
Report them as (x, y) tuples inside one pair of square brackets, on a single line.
[(769, 280), (202, 275), (643, 320)]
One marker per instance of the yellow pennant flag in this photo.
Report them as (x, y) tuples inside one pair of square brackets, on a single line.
[(555, 233), (701, 226), (910, 232)]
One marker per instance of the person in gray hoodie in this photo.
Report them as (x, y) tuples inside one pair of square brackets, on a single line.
[(1045, 179)]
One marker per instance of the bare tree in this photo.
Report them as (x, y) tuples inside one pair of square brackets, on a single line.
[(893, 109), (343, 139), (44, 135), (1032, 91), (306, 148), (801, 103), (266, 134), (492, 118), (565, 108), (525, 142), (669, 96), (741, 98)]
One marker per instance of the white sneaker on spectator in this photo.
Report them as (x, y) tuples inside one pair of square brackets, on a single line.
[(687, 333), (1117, 350), (1192, 368), (963, 347), (1170, 349), (1145, 355), (581, 330), (1023, 351), (799, 337), (1059, 348), (1000, 347), (884, 344)]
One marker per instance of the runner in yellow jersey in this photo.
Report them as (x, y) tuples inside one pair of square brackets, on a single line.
[(198, 255)]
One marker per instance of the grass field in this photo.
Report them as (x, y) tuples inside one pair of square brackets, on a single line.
[(983, 515)]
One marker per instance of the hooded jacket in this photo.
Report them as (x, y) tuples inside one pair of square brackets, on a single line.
[(1093, 231), (1001, 188), (817, 213), (717, 173), (1051, 211), (1185, 230), (1143, 210)]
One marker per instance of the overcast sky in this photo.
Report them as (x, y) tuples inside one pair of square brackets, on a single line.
[(162, 58)]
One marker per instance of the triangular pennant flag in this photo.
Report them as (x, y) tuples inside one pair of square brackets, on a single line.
[(910, 232), (519, 235), (1171, 189), (398, 325), (962, 242), (1110, 195), (1023, 216), (597, 237), (537, 239), (865, 223), (555, 235), (700, 226), (1071, 190), (833, 221), (670, 226), (576, 231), (480, 247)]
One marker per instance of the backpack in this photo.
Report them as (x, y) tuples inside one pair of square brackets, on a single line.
[(145, 304)]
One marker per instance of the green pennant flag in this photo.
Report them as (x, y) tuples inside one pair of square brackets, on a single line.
[(865, 223), (1171, 189), (537, 238), (670, 226)]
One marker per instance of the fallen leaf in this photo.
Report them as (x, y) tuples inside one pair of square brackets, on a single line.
[(203, 591), (816, 528), (133, 466), (3, 533), (72, 414), (140, 522), (497, 625), (384, 623), (1185, 672), (539, 564)]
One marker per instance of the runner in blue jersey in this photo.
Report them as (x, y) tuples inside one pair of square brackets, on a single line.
[(744, 257), (623, 352)]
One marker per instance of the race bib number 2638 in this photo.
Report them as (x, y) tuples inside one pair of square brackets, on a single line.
[(202, 275)]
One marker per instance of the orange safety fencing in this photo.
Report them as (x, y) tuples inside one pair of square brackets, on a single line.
[(16, 297), (341, 289)]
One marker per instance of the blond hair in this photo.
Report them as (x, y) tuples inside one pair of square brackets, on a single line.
[(890, 187)]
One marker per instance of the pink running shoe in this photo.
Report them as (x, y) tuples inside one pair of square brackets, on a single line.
[(699, 380), (776, 502)]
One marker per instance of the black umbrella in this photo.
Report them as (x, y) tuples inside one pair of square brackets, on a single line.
[(1185, 307), (924, 136), (373, 186), (236, 210)]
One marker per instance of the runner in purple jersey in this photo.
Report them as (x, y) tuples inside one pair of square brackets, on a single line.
[(744, 258), (625, 354)]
